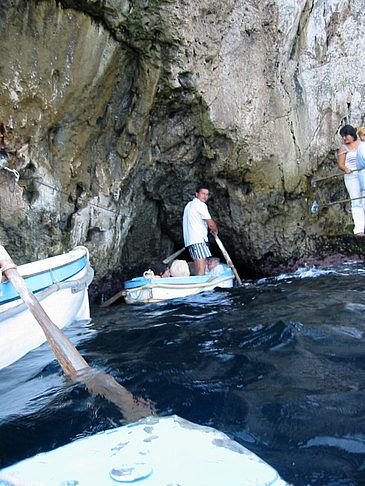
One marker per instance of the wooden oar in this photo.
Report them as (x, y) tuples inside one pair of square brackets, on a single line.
[(113, 299), (71, 361), (173, 256), (228, 259)]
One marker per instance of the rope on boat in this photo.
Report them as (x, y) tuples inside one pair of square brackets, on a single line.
[(129, 293), (4, 268), (133, 295), (74, 285), (174, 286)]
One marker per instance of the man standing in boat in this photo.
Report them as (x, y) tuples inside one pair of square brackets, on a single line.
[(196, 222)]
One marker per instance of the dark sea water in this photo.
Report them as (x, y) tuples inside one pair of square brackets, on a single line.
[(278, 365)]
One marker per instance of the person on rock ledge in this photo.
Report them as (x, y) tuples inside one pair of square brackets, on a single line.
[(196, 221), (347, 163), (360, 159)]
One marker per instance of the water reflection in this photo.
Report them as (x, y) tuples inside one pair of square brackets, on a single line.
[(277, 364)]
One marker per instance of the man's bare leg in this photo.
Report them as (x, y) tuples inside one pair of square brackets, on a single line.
[(200, 265)]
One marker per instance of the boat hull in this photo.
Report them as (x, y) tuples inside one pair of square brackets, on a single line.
[(153, 452), (60, 284), (143, 289)]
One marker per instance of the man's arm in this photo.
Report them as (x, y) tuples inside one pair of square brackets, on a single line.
[(212, 226)]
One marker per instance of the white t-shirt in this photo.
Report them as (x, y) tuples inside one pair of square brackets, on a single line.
[(195, 229), (350, 161)]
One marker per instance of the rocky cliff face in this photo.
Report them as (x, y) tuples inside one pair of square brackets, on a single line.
[(112, 110)]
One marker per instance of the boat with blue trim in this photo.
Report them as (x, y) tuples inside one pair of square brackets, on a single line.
[(150, 288), (60, 284)]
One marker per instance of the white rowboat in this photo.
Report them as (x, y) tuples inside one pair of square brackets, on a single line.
[(60, 284), (142, 289), (153, 452)]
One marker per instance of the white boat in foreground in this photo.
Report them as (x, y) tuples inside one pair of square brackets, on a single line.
[(143, 289), (153, 452), (60, 284)]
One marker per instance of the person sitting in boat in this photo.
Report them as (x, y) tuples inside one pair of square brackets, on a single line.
[(158, 269), (214, 266), (179, 268)]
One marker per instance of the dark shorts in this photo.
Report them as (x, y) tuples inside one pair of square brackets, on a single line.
[(199, 251)]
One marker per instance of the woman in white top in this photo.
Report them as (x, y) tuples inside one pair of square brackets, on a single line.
[(347, 163)]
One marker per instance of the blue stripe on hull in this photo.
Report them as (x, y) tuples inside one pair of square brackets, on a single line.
[(199, 279), (41, 281)]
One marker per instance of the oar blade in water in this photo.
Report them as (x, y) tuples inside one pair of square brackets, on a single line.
[(99, 383)]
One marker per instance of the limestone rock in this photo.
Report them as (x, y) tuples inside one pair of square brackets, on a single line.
[(112, 110)]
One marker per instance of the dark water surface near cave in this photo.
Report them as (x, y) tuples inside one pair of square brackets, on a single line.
[(278, 365)]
